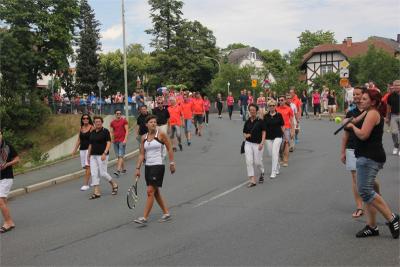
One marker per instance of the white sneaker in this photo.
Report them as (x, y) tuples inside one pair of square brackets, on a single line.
[(141, 220), (395, 151), (165, 218), (273, 175), (85, 187), (277, 172)]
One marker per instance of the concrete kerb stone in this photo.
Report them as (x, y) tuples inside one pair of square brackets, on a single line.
[(61, 179)]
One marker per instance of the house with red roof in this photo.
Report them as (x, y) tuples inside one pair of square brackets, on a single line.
[(326, 58)]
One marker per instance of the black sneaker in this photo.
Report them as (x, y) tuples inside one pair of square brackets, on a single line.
[(180, 147), (261, 179), (368, 231), (117, 173), (394, 226)]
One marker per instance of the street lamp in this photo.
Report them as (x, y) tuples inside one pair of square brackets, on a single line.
[(125, 67), (100, 84), (219, 65), (229, 84)]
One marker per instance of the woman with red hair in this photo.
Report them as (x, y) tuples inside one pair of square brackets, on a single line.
[(368, 128)]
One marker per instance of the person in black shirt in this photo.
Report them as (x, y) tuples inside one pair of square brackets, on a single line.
[(370, 154), (83, 144), (332, 103), (393, 115), (243, 104), (219, 105), (274, 126), (8, 158), (348, 145), (162, 114), (99, 147), (304, 103), (141, 127), (254, 134)]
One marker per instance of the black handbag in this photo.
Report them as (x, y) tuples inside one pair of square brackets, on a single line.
[(242, 147)]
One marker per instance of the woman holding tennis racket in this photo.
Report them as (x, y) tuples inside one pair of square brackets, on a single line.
[(152, 151)]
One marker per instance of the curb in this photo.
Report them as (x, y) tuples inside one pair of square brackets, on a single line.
[(61, 179)]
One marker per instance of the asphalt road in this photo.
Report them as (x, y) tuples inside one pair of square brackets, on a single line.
[(302, 218)]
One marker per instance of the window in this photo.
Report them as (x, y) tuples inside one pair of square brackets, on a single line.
[(326, 69)]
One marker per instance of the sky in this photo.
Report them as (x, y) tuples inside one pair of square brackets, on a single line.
[(264, 24)]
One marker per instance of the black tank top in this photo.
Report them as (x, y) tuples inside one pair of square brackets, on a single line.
[(84, 139), (372, 148)]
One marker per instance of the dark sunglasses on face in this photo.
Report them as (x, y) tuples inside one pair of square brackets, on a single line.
[(281, 100), (118, 113), (85, 118), (271, 106)]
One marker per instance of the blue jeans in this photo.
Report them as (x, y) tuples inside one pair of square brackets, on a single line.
[(244, 112), (367, 169), (119, 149)]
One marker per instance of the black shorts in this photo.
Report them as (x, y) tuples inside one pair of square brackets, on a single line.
[(154, 175)]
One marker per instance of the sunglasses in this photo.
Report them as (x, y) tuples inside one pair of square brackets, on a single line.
[(271, 105), (118, 113), (281, 100), (85, 118)]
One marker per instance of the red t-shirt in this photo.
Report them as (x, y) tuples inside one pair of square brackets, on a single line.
[(230, 101), (179, 99), (207, 105), (296, 100), (187, 110), (175, 113), (119, 131), (287, 115), (198, 106), (250, 100)]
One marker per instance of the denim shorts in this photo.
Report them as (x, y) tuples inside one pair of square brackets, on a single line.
[(198, 119), (188, 125), (119, 148), (367, 169)]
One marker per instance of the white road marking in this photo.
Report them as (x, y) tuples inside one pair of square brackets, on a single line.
[(220, 195)]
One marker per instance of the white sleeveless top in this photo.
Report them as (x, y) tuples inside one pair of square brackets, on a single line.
[(154, 151)]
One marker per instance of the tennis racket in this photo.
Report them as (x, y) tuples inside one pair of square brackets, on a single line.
[(344, 125), (132, 195)]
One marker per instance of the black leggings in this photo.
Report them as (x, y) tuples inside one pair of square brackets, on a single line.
[(219, 107), (317, 108), (230, 110), (206, 117)]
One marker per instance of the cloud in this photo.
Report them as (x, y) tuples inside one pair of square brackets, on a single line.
[(266, 24), (112, 33)]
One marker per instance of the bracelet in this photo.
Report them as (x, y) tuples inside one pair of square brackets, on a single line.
[(172, 163), (137, 168)]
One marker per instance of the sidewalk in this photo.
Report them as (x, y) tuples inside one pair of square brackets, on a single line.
[(63, 167)]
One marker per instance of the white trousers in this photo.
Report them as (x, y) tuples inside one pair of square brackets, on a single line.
[(253, 157), (98, 168), (273, 147)]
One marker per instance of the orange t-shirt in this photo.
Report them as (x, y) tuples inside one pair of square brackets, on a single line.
[(187, 110), (179, 99), (296, 100), (287, 115), (198, 106), (175, 113)]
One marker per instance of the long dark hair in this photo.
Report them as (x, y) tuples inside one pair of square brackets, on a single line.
[(376, 96), (90, 119)]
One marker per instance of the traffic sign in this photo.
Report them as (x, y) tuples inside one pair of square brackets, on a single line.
[(344, 82), (344, 64), (253, 83), (344, 73)]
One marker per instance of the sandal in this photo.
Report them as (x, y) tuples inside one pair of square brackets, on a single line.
[(251, 185), (94, 196), (5, 230), (114, 190), (358, 213)]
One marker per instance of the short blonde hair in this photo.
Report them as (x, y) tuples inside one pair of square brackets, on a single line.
[(271, 102)]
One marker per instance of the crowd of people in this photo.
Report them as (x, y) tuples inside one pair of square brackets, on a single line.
[(270, 120)]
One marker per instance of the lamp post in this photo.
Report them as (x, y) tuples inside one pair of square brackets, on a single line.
[(100, 84), (229, 84), (125, 67), (219, 65)]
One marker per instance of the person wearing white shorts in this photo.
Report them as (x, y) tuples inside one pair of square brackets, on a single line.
[(8, 158), (83, 144)]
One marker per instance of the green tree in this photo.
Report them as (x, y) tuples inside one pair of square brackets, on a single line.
[(308, 40), (166, 19), (235, 46), (376, 65), (274, 63), (87, 64)]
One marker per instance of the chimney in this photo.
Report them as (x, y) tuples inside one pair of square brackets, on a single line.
[(349, 41), (398, 37)]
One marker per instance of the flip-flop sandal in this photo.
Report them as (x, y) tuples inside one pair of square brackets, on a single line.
[(358, 213), (94, 196), (5, 230), (114, 190)]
